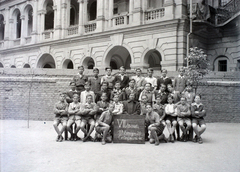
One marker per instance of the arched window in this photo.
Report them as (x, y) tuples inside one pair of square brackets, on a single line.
[(13, 66), (92, 10), (2, 27), (46, 61), (18, 26), (74, 12), (68, 64), (26, 66), (49, 16), (30, 21), (121, 6), (221, 64), (153, 58)]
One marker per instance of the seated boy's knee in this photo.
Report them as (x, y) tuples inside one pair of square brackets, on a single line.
[(168, 122), (203, 126), (174, 123)]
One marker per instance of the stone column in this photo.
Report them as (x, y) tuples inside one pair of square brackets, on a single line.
[(80, 17), (131, 6), (7, 29), (106, 2), (57, 23), (169, 6), (137, 12), (110, 13), (41, 23), (23, 30), (64, 19), (35, 22), (100, 15), (11, 35)]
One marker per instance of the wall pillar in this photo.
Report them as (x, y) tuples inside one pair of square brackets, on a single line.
[(23, 30), (7, 29), (80, 17), (35, 22), (110, 13), (131, 9), (100, 15), (169, 6), (57, 23), (64, 18), (137, 12)]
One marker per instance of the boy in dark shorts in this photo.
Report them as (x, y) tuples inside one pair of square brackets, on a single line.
[(171, 118), (61, 112), (74, 117), (184, 121), (88, 110), (102, 105), (198, 112), (80, 79), (153, 124), (104, 124)]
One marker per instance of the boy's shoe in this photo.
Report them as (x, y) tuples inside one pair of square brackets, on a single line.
[(185, 138), (172, 138), (90, 138), (72, 137), (151, 141), (103, 142), (200, 141), (195, 139), (157, 143), (57, 139), (61, 138), (85, 139)]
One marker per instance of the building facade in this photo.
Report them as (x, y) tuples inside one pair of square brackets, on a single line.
[(64, 34)]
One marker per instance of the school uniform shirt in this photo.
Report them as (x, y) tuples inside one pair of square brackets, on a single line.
[(95, 83), (198, 107), (169, 109), (103, 105), (99, 94), (80, 80), (164, 81), (183, 108), (150, 95), (106, 118), (152, 118), (151, 80), (179, 83), (124, 80), (110, 80), (72, 107), (119, 92), (87, 106), (176, 96), (84, 94), (118, 109), (131, 107), (159, 109), (139, 81), (189, 96), (60, 106), (130, 90), (143, 108)]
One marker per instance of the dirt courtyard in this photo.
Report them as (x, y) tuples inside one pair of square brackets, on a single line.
[(34, 149)]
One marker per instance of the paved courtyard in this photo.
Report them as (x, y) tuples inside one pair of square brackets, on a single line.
[(34, 149)]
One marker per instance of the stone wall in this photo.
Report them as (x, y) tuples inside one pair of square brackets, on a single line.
[(31, 93)]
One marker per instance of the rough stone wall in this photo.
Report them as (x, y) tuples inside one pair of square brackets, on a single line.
[(23, 95)]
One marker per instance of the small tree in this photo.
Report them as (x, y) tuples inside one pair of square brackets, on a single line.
[(197, 66)]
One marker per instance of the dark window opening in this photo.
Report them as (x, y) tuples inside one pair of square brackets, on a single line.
[(49, 16), (93, 11), (113, 64), (19, 23), (30, 21), (47, 66), (70, 65), (1, 27), (222, 65)]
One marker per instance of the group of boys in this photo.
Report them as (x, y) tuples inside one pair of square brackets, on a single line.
[(92, 102)]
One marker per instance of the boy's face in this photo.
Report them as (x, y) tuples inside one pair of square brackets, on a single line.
[(116, 99), (197, 99), (170, 100), (95, 73), (122, 71), (72, 86), (147, 87), (189, 88), (111, 107), (104, 87), (131, 96), (131, 84), (81, 70), (104, 97), (87, 87), (170, 89), (149, 108), (183, 101), (138, 72), (75, 99), (150, 73), (89, 99), (109, 72), (158, 100), (164, 73), (144, 99), (181, 72), (117, 86), (163, 88), (62, 97)]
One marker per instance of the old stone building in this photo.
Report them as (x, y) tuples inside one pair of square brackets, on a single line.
[(63, 34)]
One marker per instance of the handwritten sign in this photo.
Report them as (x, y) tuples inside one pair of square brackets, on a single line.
[(129, 129)]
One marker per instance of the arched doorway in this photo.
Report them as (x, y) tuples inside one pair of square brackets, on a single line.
[(153, 58), (118, 56), (88, 63), (46, 61), (68, 64), (13, 66), (221, 64)]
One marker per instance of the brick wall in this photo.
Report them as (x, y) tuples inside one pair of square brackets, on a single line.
[(33, 92)]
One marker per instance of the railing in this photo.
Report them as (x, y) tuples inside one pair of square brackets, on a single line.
[(120, 20), (16, 42), (47, 34), (72, 30), (28, 39), (90, 27), (154, 14)]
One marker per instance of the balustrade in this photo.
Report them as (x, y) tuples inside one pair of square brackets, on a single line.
[(47, 34), (16, 42), (120, 20), (28, 39), (72, 30), (90, 27), (155, 14)]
